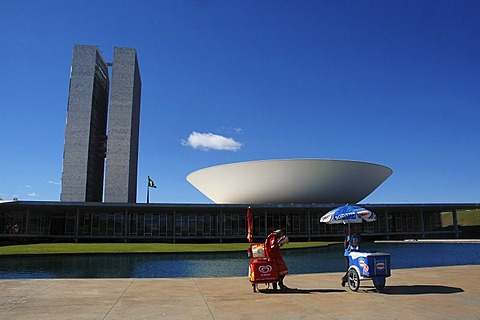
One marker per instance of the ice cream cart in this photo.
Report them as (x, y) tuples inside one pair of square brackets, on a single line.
[(372, 265), (260, 270)]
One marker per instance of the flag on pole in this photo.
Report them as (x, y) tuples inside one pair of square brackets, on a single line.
[(249, 225), (151, 184)]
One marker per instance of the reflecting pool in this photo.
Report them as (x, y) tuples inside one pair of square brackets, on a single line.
[(232, 264)]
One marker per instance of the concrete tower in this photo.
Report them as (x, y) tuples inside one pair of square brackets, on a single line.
[(123, 128), (84, 149), (86, 144)]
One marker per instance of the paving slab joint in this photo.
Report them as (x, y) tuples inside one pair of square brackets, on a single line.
[(120, 297)]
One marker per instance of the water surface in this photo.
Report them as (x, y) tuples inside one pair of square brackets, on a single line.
[(230, 264)]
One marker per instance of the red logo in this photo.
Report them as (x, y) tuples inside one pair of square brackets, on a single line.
[(380, 265), (326, 218), (365, 214), (265, 269)]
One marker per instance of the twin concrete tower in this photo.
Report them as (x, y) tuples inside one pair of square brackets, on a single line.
[(90, 154)]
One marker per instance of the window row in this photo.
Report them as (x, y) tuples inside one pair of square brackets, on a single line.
[(198, 225)]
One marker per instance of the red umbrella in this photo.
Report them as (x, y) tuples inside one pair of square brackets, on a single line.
[(250, 225)]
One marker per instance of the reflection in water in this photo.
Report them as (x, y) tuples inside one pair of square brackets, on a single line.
[(232, 264)]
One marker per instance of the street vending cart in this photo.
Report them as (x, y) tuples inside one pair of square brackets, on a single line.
[(373, 266), (260, 271)]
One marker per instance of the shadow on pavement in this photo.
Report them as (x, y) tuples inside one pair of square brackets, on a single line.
[(300, 291), (420, 289), (391, 290)]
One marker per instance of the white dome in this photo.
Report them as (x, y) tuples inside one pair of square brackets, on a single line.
[(301, 181)]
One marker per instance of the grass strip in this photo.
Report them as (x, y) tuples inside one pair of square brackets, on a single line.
[(86, 248)]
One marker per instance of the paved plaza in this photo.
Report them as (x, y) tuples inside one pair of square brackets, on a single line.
[(425, 293)]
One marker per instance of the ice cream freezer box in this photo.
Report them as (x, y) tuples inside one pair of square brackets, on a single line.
[(262, 271), (368, 265)]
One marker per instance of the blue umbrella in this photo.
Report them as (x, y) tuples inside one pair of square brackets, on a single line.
[(348, 214)]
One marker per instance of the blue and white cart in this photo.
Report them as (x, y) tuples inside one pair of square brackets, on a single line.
[(373, 266)]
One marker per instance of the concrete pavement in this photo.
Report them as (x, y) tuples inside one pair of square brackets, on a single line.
[(426, 293)]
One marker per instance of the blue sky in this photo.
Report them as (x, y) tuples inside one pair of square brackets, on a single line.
[(390, 82)]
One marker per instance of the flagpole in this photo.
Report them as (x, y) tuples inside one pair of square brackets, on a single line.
[(148, 190), (150, 184)]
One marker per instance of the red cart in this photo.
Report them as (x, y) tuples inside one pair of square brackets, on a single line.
[(260, 270)]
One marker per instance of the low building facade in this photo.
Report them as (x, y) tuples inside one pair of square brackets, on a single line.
[(101, 222)]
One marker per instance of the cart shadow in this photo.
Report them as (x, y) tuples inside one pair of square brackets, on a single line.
[(300, 291), (417, 289)]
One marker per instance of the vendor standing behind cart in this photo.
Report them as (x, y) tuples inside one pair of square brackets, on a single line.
[(274, 241), (351, 243)]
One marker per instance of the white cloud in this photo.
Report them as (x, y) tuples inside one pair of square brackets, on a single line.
[(33, 194), (207, 141), (54, 182), (28, 186)]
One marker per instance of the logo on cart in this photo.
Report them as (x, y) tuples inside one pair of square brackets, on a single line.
[(363, 265), (265, 269), (380, 265)]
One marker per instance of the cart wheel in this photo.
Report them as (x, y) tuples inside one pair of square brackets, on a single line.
[(379, 283), (353, 279)]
